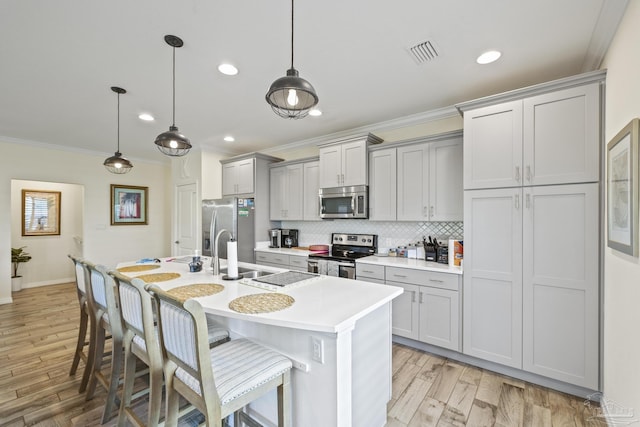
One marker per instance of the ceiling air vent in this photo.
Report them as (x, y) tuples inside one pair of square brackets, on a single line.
[(423, 52)]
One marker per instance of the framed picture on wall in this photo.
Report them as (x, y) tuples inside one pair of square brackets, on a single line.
[(622, 190), (128, 205), (40, 213)]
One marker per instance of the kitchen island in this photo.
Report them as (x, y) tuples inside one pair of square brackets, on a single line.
[(337, 333)]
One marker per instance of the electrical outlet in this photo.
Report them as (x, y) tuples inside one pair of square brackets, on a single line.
[(318, 349)]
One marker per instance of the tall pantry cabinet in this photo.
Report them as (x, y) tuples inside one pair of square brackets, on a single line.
[(532, 234)]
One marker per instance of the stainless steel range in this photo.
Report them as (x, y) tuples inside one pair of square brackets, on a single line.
[(345, 249)]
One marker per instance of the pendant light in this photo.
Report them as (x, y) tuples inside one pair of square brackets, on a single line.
[(172, 143), (291, 97), (117, 163)]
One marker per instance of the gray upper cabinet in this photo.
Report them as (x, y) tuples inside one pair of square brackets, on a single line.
[(430, 180), (382, 185), (286, 192), (311, 203), (543, 139), (238, 177), (343, 164)]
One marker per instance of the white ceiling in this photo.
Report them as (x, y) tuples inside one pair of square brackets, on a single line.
[(58, 60)]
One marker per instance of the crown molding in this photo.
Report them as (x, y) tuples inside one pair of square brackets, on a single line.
[(400, 122)]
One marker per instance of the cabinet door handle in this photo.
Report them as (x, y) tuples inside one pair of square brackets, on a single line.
[(528, 200), (517, 173), (528, 173), (431, 209), (413, 296), (367, 271), (517, 201), (436, 280), (342, 181), (400, 276), (424, 211), (338, 178), (420, 298)]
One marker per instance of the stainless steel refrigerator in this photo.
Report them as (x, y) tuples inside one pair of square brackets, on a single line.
[(234, 214)]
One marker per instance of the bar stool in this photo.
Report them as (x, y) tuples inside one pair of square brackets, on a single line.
[(217, 381), (106, 319), (141, 342), (85, 316)]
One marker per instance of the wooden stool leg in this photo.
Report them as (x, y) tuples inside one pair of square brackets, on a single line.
[(96, 358), (127, 386), (117, 354), (82, 335)]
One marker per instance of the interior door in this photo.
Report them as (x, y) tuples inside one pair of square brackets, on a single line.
[(187, 213)]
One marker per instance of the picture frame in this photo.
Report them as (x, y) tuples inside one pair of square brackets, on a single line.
[(41, 212), (129, 205), (622, 190)]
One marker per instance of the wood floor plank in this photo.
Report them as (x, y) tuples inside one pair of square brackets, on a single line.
[(403, 378), (428, 413), (445, 381), (490, 388), (510, 411), (482, 414), (409, 401), (536, 416)]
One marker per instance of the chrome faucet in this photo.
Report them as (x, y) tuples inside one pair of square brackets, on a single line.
[(215, 258)]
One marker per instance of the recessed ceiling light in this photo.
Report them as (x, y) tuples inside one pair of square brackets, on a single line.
[(488, 57), (146, 117), (228, 69), (315, 112), (229, 138)]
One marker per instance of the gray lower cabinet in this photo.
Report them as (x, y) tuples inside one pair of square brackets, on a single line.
[(273, 259), (429, 308)]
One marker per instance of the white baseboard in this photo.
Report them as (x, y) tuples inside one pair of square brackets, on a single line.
[(8, 300), (48, 282)]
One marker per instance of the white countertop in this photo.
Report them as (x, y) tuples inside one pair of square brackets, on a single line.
[(326, 304), (416, 264)]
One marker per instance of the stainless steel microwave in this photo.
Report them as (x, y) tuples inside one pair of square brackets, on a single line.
[(344, 202)]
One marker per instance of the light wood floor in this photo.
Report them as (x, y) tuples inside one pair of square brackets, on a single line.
[(38, 334)]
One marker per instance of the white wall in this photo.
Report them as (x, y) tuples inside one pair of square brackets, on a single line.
[(49, 263), (622, 272), (103, 243)]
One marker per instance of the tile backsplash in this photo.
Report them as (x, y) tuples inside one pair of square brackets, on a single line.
[(390, 233)]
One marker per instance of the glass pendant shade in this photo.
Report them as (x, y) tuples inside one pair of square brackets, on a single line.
[(172, 143), (292, 97), (116, 163)]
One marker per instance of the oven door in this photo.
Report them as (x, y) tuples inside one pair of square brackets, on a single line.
[(347, 270)]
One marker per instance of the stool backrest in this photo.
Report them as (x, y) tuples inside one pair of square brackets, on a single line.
[(137, 310), (184, 339), (102, 290)]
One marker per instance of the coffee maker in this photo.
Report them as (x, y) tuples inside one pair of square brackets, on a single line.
[(275, 236), (289, 238)]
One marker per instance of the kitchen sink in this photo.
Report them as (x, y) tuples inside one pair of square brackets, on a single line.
[(248, 273)]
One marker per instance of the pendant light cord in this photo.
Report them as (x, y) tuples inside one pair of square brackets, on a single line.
[(118, 123), (174, 87), (291, 34)]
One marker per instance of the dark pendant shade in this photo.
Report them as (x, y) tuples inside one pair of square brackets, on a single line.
[(172, 143), (118, 164), (292, 97)]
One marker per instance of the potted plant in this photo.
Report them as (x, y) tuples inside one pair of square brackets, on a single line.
[(18, 255)]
